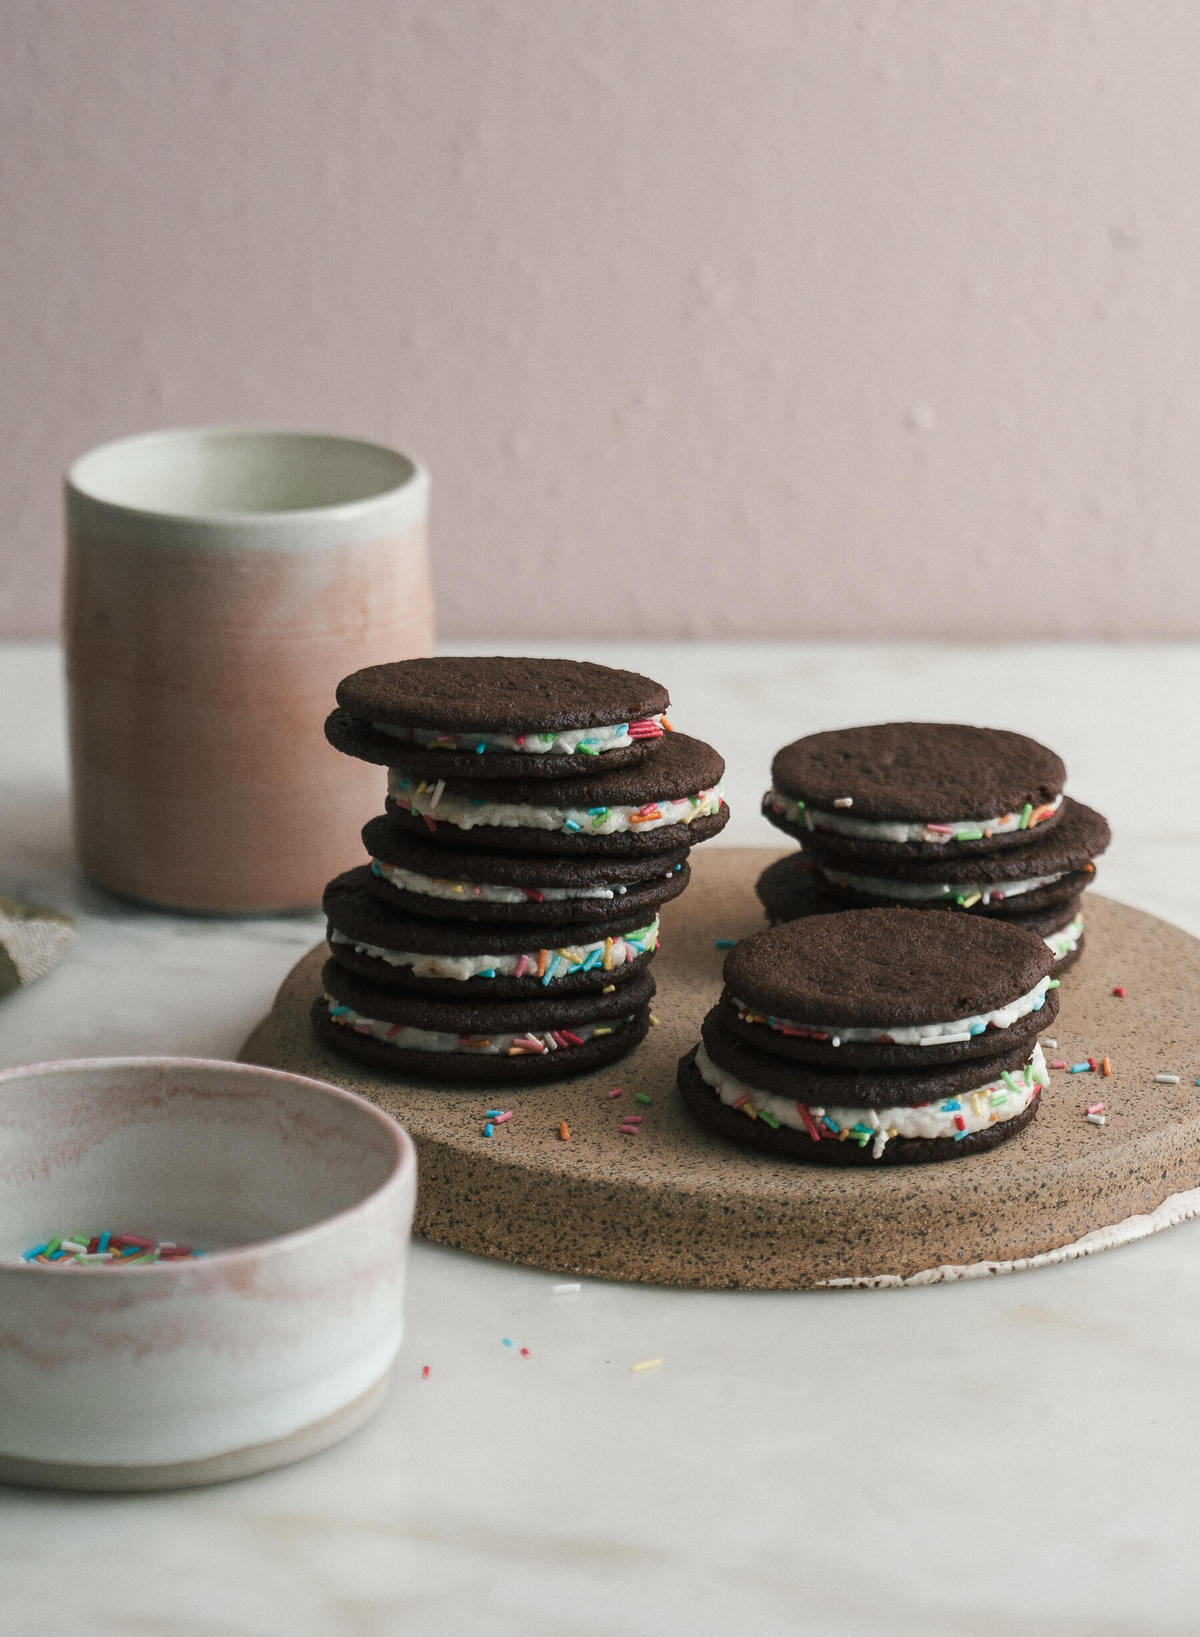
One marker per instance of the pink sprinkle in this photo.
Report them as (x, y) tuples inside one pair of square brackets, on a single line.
[(524, 1352), (521, 965), (1058, 1062), (424, 1372), (571, 1039), (616, 1091), (1094, 1108), (499, 1119), (632, 1119), (1119, 991), (429, 823), (532, 892), (941, 829), (810, 1124), (630, 1131), (741, 1101)]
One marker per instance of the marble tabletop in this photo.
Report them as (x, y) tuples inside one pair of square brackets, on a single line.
[(1007, 1456)]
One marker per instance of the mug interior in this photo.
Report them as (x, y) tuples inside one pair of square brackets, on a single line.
[(236, 472)]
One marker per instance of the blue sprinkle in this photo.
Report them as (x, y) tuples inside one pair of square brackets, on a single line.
[(724, 943), (376, 868), (592, 811), (506, 1341), (488, 1129), (959, 1135), (29, 1255), (490, 973), (549, 973), (1041, 1001), (831, 1124), (338, 1011), (570, 824), (491, 1113), (952, 1105), (102, 1242), (479, 749), (979, 1028)]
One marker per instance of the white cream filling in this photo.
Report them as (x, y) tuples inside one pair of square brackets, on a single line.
[(465, 812), (569, 742), (933, 830), (966, 892), (917, 1034), (555, 963), (956, 1117), (407, 1037), (1065, 941)]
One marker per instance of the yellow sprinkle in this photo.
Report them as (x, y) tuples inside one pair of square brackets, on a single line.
[(605, 1030), (609, 989), (653, 1021), (458, 887), (749, 1108), (645, 1364), (607, 962)]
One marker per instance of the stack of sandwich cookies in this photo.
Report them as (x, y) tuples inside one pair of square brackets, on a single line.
[(875, 1036), (518, 882), (1024, 853)]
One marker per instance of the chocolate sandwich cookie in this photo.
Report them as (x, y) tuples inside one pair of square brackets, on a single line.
[(891, 988), (893, 1117), (418, 876), (672, 799), (499, 717), (545, 1039), (464, 961), (914, 789)]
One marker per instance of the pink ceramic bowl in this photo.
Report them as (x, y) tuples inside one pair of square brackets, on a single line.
[(273, 1345)]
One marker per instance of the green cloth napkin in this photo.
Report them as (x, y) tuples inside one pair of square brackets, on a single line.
[(32, 941)]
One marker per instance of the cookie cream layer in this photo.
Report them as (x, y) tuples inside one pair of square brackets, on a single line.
[(569, 742), (842, 823), (407, 1037), (917, 1034), (489, 893), (965, 893), (543, 964), (955, 1117), (1065, 941), (433, 802)]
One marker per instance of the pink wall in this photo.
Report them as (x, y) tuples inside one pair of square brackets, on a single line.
[(721, 317)]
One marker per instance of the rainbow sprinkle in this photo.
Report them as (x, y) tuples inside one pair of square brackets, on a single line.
[(106, 1249)]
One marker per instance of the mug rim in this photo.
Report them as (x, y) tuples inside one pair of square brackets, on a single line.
[(88, 504)]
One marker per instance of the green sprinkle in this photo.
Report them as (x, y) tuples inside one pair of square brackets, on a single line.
[(1029, 1074), (997, 1098), (599, 814), (768, 1119), (1008, 1080), (587, 748), (968, 835), (1025, 813), (643, 1097), (546, 738), (1053, 984)]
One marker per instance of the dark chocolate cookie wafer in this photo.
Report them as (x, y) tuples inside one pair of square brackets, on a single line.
[(464, 961), (844, 1147), (496, 717), (474, 1044), (894, 987), (415, 875), (915, 789), (671, 799)]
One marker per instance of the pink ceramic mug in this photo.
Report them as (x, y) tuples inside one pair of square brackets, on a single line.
[(219, 583)]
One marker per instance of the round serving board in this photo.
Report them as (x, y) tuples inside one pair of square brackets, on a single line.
[(676, 1206)]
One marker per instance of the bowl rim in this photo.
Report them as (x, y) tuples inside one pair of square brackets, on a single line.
[(402, 1171)]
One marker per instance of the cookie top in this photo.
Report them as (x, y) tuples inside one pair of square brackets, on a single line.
[(884, 968), (512, 717), (429, 856), (893, 781)]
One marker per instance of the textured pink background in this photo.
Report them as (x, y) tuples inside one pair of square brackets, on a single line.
[(724, 317)]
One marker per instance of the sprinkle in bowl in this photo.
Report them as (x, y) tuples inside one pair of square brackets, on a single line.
[(273, 1343)]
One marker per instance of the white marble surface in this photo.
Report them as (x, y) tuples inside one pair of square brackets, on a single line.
[(1008, 1456)]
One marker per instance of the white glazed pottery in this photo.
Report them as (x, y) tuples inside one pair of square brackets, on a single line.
[(220, 582), (274, 1345)]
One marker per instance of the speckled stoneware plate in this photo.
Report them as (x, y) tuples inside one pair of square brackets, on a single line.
[(676, 1206)]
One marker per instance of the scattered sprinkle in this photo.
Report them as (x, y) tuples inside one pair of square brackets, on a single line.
[(424, 1372), (1094, 1108), (1167, 1079), (106, 1250), (1081, 1068), (1046, 1041), (645, 1364), (843, 801), (564, 1131), (653, 1021), (643, 1097), (1119, 992), (506, 1341), (1058, 1063), (488, 1129), (565, 1290), (724, 943), (1105, 1066), (1096, 1119), (507, 1115), (524, 1352)]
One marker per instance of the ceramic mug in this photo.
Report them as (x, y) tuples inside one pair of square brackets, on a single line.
[(219, 583)]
